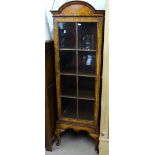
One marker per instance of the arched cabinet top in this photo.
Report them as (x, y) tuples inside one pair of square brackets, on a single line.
[(77, 8)]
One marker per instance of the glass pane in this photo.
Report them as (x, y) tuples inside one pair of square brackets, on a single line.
[(67, 35), (86, 62), (86, 87), (86, 109), (69, 107), (87, 35), (68, 85), (67, 61)]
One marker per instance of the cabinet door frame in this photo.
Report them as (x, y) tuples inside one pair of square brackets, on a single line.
[(99, 21)]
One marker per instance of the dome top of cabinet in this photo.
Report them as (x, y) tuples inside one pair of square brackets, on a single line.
[(77, 8)]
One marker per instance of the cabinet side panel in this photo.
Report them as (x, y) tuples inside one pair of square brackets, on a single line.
[(50, 97), (57, 67), (98, 68)]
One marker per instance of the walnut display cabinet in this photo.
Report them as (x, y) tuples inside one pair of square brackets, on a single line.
[(78, 46)]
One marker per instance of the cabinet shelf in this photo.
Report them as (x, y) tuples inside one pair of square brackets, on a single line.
[(76, 97), (73, 74), (69, 49), (86, 75)]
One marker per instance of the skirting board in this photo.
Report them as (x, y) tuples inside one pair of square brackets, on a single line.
[(104, 146)]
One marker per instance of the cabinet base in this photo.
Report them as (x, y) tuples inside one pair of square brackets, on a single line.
[(93, 131)]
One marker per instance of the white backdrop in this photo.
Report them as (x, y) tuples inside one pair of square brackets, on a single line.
[(97, 4)]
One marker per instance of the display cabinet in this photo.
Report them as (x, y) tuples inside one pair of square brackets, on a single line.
[(78, 45)]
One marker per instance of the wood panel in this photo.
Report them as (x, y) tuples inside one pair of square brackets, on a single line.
[(76, 8), (50, 95)]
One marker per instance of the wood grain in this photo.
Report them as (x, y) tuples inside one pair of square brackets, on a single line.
[(50, 95), (76, 8)]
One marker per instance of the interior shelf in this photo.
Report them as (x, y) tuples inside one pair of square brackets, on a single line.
[(80, 74), (76, 49), (76, 97), (68, 73)]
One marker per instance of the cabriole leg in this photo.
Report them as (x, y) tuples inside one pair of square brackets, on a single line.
[(57, 134), (96, 138), (97, 146)]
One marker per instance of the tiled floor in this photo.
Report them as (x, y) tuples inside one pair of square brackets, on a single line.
[(74, 144)]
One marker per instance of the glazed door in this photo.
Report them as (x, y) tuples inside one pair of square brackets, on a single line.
[(77, 51)]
